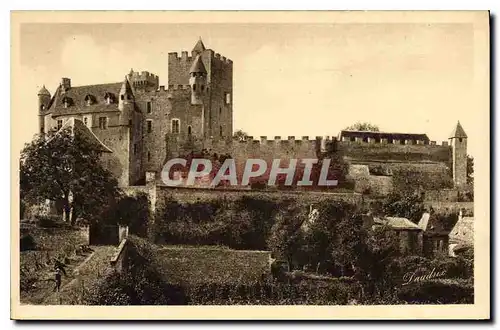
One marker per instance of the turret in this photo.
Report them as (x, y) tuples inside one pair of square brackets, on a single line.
[(43, 104), (458, 142), (197, 80), (126, 102)]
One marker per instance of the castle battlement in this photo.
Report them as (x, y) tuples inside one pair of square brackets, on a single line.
[(143, 78), (396, 142), (183, 57)]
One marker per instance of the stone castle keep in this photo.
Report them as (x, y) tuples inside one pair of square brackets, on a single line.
[(145, 124)]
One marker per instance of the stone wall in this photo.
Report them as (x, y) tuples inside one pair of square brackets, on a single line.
[(192, 195)]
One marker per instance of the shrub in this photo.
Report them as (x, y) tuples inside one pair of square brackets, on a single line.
[(27, 243), (437, 292), (49, 221)]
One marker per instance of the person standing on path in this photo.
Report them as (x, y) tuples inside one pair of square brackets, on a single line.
[(58, 276)]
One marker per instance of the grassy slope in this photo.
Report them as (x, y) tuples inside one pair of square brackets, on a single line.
[(195, 265)]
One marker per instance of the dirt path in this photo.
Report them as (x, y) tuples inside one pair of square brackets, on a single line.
[(84, 275)]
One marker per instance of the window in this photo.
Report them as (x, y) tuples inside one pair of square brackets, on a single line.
[(122, 97), (87, 120), (135, 148), (194, 87), (460, 139), (189, 130), (220, 131), (149, 107), (59, 124), (149, 156), (130, 122), (202, 88), (149, 126), (108, 97), (176, 126), (220, 111), (228, 98), (103, 122)]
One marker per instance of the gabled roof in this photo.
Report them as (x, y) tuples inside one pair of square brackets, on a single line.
[(198, 66), (78, 127), (458, 132), (463, 231), (397, 223), (424, 221), (199, 47), (79, 105)]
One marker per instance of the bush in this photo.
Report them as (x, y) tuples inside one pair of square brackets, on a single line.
[(49, 221), (437, 292), (27, 243)]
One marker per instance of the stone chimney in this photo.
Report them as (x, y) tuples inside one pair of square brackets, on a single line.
[(65, 84)]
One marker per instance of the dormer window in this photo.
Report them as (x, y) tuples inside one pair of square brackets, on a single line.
[(89, 99), (109, 98), (66, 102)]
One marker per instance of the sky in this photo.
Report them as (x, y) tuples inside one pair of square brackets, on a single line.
[(289, 79)]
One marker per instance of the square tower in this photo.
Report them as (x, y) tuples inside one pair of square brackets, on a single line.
[(218, 96)]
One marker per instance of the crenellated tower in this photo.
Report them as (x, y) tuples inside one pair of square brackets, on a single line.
[(218, 87)]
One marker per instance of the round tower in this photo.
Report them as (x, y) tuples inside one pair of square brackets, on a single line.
[(458, 142), (43, 104), (197, 80), (126, 103)]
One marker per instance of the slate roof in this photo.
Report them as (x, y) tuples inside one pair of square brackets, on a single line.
[(199, 47), (78, 127), (458, 132), (198, 66), (43, 91), (77, 103), (386, 135)]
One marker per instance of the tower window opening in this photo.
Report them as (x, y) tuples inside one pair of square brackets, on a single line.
[(220, 131), (460, 140), (59, 124), (176, 123), (135, 148), (202, 88), (149, 126), (194, 87), (220, 111), (122, 97), (189, 130), (149, 107), (149, 156)]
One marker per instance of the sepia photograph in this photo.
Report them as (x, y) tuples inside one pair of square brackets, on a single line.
[(312, 165)]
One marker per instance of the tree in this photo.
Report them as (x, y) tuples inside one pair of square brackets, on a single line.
[(470, 169), (359, 126), (240, 135), (66, 168)]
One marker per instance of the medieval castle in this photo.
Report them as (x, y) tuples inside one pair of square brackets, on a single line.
[(144, 124)]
